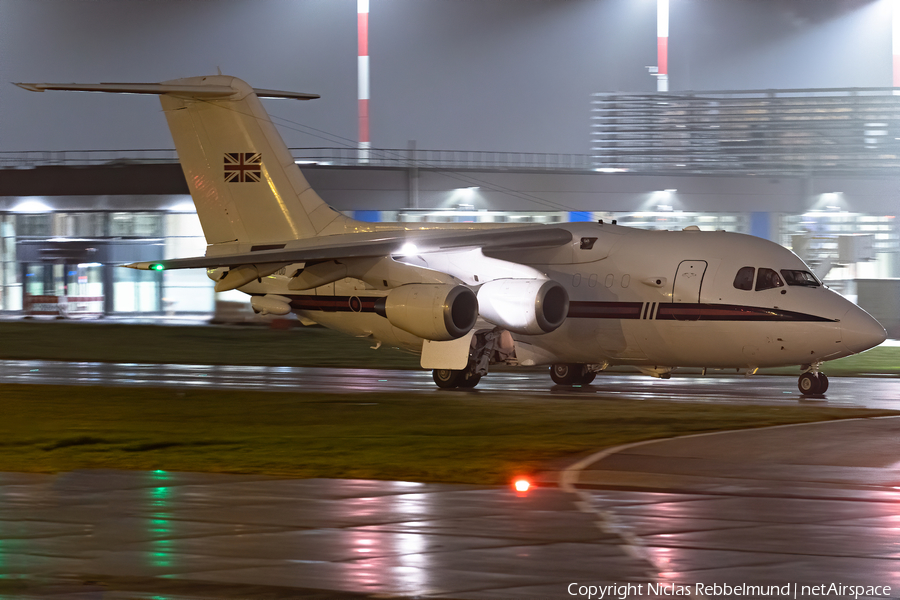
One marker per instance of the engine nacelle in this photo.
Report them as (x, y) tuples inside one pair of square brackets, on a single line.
[(437, 312), (527, 306)]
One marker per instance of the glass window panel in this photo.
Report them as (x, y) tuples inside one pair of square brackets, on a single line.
[(34, 280), (85, 279), (34, 225), (138, 224), (136, 291), (767, 280), (803, 278), (744, 278)]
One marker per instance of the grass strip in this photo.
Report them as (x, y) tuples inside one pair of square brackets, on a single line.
[(882, 360), (461, 437), (98, 341)]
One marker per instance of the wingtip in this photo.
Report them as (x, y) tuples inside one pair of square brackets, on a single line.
[(31, 87), (141, 266)]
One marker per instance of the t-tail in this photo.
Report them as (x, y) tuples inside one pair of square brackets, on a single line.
[(247, 189)]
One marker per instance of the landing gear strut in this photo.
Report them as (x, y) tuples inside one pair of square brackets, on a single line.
[(569, 374), (813, 383), (487, 348)]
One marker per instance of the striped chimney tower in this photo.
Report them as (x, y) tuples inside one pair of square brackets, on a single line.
[(895, 40), (362, 10), (662, 45)]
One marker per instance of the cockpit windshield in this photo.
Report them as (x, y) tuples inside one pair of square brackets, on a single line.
[(804, 278), (744, 278), (767, 279)]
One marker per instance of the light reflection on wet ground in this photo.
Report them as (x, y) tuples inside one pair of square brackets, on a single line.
[(809, 505), (760, 507), (871, 392)]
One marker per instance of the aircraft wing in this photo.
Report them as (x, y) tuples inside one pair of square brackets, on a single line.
[(385, 243), (209, 92)]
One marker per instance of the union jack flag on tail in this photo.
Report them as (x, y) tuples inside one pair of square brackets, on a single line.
[(243, 167)]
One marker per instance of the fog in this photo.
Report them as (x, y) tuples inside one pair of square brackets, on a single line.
[(507, 75)]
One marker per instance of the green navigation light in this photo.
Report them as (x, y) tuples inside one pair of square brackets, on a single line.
[(157, 267)]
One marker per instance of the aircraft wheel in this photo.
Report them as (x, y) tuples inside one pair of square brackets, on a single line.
[(447, 378), (564, 374), (469, 379), (823, 383), (812, 384), (586, 378)]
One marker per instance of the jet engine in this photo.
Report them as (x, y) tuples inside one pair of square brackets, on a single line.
[(437, 312), (528, 306)]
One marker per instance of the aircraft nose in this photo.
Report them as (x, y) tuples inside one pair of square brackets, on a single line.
[(860, 331)]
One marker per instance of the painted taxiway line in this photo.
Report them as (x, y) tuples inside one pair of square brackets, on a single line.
[(610, 524)]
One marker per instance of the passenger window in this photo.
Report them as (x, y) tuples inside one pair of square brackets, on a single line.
[(767, 280), (804, 278), (744, 278)]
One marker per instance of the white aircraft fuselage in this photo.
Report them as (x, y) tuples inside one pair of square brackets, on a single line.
[(637, 297)]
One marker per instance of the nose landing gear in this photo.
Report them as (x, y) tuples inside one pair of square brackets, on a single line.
[(813, 383)]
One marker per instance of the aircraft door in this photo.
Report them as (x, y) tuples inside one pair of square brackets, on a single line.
[(686, 289)]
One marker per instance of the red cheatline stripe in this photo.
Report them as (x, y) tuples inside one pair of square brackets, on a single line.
[(363, 26), (363, 120), (662, 55), (605, 310), (334, 303)]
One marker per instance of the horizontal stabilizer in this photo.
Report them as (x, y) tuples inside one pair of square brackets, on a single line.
[(387, 243), (206, 92)]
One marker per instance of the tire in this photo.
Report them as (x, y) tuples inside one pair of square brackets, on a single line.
[(469, 379), (586, 378), (446, 378), (564, 374), (823, 384), (808, 384)]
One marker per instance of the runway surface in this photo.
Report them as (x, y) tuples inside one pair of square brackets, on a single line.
[(870, 392), (792, 506), (772, 507)]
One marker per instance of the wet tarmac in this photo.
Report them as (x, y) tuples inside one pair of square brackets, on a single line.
[(872, 392), (809, 504), (785, 506)]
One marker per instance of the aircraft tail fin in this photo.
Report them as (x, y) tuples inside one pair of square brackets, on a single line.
[(241, 175)]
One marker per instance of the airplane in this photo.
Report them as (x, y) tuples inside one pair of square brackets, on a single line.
[(577, 297)]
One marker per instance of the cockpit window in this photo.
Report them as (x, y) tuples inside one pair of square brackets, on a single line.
[(767, 280), (744, 278), (804, 278)]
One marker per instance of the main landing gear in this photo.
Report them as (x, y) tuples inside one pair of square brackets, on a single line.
[(487, 348), (451, 378), (813, 383), (569, 374)]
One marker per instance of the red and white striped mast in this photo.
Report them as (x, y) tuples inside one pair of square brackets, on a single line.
[(362, 10), (895, 40), (662, 46)]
